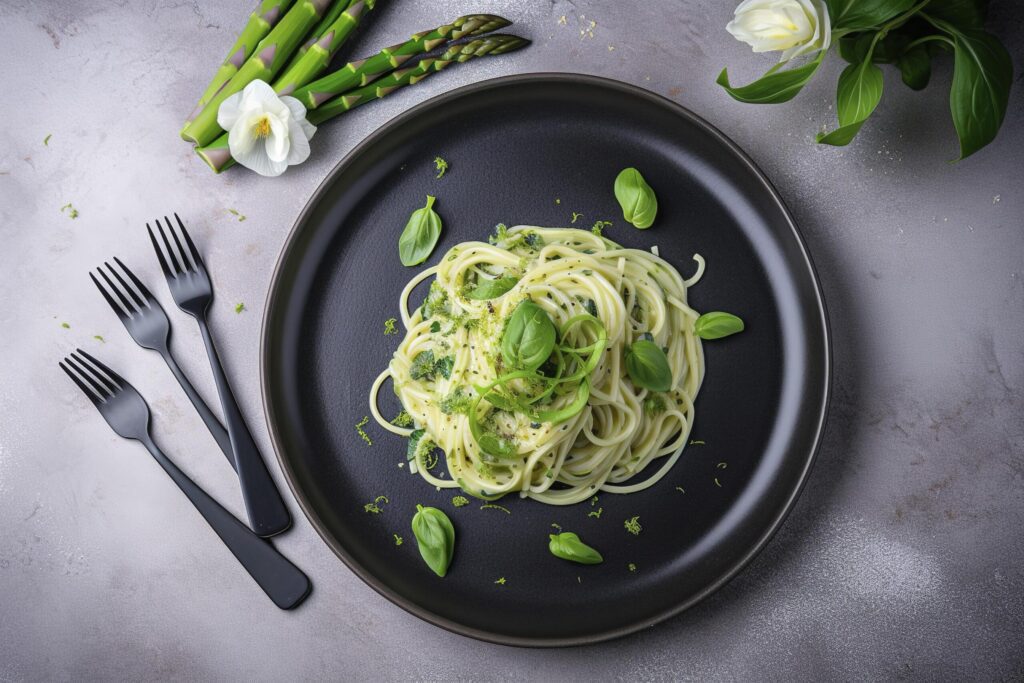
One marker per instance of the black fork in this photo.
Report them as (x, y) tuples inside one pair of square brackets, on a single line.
[(148, 324), (126, 412), (192, 290)]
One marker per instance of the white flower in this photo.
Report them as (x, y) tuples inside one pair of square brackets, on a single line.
[(794, 26), (266, 133)]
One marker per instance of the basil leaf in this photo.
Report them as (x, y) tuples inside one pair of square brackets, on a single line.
[(915, 67), (637, 199), (414, 444), (435, 537), (444, 366), (568, 546), (648, 367), (716, 324), (420, 235), (491, 289), (422, 365), (528, 338), (858, 93), (775, 86), (496, 445), (862, 14), (982, 73)]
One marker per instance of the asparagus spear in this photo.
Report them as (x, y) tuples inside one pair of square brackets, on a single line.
[(273, 52), (329, 18), (362, 72), (218, 157), (319, 54), (260, 22)]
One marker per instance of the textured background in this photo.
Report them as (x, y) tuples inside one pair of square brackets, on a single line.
[(903, 557)]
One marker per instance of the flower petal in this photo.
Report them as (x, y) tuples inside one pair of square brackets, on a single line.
[(299, 151), (229, 111), (278, 142)]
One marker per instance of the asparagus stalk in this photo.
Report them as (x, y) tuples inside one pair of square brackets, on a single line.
[(319, 54), (364, 71), (329, 18), (263, 64), (218, 157), (260, 22)]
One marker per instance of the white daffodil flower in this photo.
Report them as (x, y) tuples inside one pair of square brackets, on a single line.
[(794, 26), (266, 133)]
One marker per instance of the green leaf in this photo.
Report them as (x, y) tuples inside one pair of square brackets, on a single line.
[(528, 338), (496, 445), (637, 199), (982, 74), (858, 93), (775, 86), (486, 289), (963, 13), (444, 366), (916, 67), (435, 537), (420, 235), (568, 546), (861, 14), (648, 366), (717, 324), (422, 365), (854, 48), (414, 444)]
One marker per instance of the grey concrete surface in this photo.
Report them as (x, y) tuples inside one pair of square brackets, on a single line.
[(902, 559)]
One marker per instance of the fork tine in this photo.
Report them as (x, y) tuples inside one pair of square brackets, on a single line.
[(171, 254), (181, 249), (128, 306), (110, 300), (127, 287), (115, 378), (138, 283), (159, 254), (196, 258), (89, 375), (81, 385)]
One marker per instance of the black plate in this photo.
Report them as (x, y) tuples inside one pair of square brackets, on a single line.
[(533, 149)]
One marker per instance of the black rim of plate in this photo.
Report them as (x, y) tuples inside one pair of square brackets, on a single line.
[(770, 528)]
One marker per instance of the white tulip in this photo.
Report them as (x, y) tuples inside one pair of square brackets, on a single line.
[(266, 133), (794, 26)]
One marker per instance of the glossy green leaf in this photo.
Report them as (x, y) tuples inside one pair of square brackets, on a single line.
[(486, 289), (529, 337), (414, 444), (496, 445), (637, 199), (858, 93), (647, 365), (717, 324), (435, 537), (861, 14), (422, 365), (916, 67), (775, 86), (420, 235), (962, 13), (568, 546)]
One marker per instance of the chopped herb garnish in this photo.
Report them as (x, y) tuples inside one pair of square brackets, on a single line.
[(72, 211), (422, 365), (491, 506), (576, 216), (239, 307), (500, 581), (389, 326), (362, 434), (374, 507), (65, 326), (457, 402), (717, 483), (596, 513), (414, 444), (632, 567), (599, 227), (722, 465), (460, 501), (236, 214), (500, 234), (557, 200), (46, 140), (654, 405), (441, 165), (680, 489), (556, 526), (398, 539), (99, 338), (633, 526), (435, 327), (695, 442), (403, 419), (444, 366)]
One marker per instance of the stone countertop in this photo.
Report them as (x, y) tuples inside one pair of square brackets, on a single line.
[(902, 558)]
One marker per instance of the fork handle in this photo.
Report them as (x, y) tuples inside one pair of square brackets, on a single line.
[(212, 423), (263, 504), (282, 581)]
